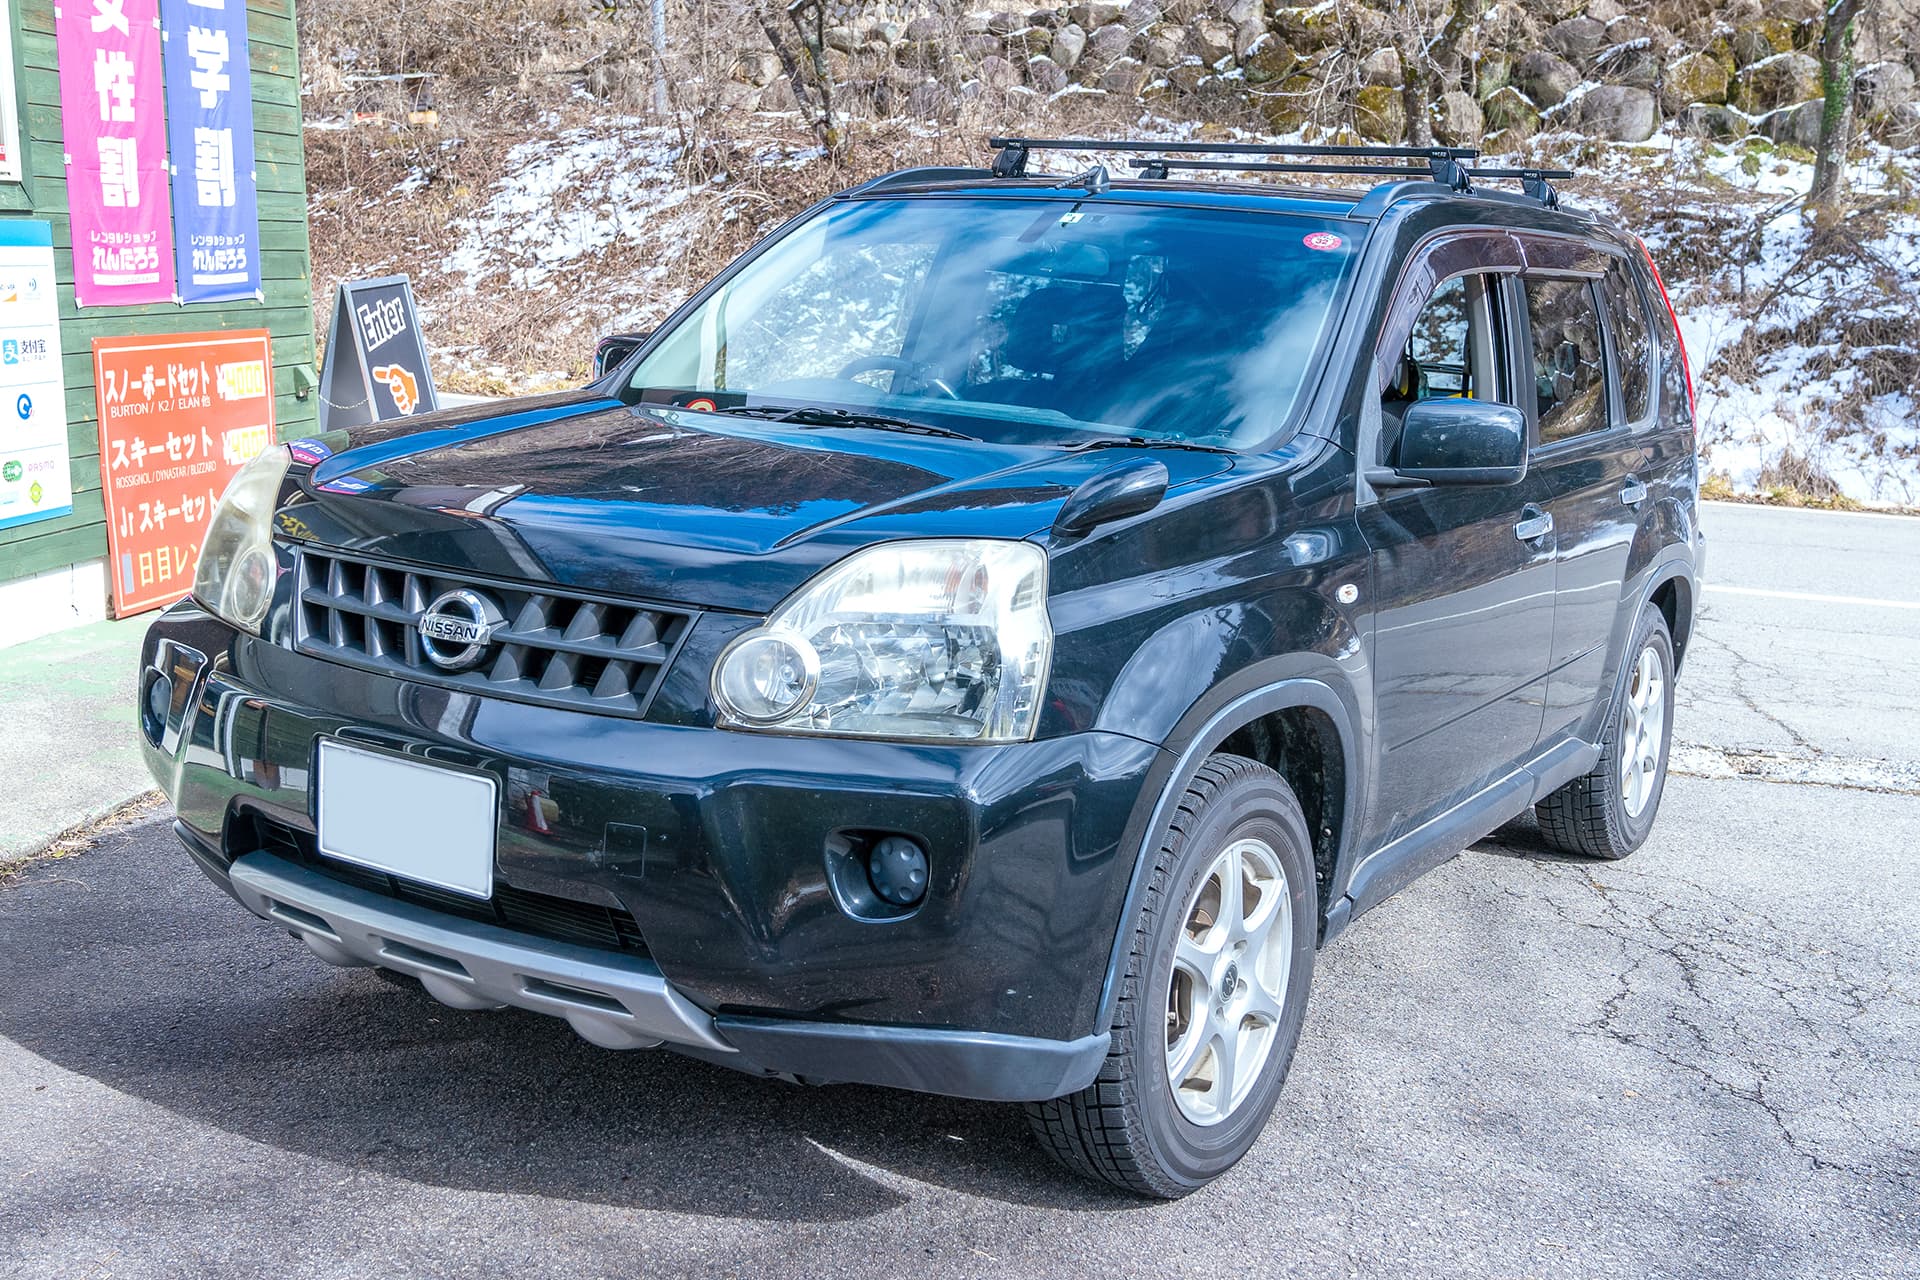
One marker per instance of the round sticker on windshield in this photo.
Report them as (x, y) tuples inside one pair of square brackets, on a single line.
[(703, 405), (1322, 240)]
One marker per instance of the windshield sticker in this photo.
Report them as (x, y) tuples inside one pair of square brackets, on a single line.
[(347, 484), (310, 452), (702, 404), (1322, 240)]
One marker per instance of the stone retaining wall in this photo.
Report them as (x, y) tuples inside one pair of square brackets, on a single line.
[(1724, 70)]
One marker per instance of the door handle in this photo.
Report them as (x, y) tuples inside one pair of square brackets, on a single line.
[(1633, 493), (1534, 524)]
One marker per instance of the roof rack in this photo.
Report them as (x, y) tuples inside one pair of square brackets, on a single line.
[(1440, 163), (1533, 182), (1447, 166)]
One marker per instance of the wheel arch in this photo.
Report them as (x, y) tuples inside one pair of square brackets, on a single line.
[(1296, 715), (1673, 594)]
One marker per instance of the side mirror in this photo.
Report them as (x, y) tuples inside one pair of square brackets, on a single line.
[(614, 348), (1458, 442)]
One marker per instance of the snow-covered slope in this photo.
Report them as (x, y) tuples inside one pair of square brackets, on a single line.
[(1805, 361)]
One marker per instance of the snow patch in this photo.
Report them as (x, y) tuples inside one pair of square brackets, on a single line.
[(570, 197)]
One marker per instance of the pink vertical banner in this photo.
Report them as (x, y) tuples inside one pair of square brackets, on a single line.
[(114, 107)]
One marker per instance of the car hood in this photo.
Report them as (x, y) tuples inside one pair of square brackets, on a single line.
[(672, 505)]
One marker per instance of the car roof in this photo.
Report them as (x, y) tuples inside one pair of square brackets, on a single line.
[(1365, 204)]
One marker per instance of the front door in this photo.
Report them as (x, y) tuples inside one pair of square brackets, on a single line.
[(1462, 583)]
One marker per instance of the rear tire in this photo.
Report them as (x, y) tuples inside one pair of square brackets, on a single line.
[(1219, 962), (1608, 812)]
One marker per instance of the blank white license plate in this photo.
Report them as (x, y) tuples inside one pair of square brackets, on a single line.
[(414, 820)]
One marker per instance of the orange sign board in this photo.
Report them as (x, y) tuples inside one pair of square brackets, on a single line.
[(179, 414)]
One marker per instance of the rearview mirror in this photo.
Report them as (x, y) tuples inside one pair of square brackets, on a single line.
[(1461, 442)]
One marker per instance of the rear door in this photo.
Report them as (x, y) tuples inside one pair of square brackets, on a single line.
[(1584, 323), (1462, 574)]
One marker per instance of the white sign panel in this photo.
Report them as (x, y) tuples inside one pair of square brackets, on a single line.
[(36, 474)]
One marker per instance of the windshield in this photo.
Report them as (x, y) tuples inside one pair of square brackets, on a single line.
[(1057, 321)]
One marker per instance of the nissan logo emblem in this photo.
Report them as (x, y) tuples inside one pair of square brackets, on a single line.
[(457, 628)]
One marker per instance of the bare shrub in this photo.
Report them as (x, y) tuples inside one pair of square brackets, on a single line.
[(1793, 473)]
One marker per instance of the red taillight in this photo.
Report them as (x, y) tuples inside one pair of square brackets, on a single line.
[(1693, 412)]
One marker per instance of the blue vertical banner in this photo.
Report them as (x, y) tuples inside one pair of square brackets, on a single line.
[(216, 203)]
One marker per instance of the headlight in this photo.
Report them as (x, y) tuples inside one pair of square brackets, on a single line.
[(945, 639), (237, 568)]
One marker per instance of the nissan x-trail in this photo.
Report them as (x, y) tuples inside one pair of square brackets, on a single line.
[(985, 642)]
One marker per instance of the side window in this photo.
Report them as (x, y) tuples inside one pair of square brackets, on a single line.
[(1568, 364), (1456, 349), (1673, 371), (1437, 350), (1632, 338)]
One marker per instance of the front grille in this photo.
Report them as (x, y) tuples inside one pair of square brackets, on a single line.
[(560, 649), (587, 924)]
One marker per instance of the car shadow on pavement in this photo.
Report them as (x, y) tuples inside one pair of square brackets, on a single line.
[(129, 968), (1521, 838)]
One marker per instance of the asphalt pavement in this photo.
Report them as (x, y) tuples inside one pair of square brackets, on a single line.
[(1699, 1062)]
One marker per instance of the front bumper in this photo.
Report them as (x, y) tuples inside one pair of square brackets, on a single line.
[(708, 850), (617, 1002)]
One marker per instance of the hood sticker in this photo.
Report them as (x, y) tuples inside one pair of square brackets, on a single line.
[(309, 452)]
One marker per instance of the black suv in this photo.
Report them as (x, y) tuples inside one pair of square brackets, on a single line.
[(986, 642)]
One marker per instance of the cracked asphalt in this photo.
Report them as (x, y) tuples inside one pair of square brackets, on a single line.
[(1700, 1062)]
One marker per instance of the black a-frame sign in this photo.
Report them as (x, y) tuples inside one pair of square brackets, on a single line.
[(376, 367)]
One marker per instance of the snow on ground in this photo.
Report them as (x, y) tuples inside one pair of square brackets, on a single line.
[(1748, 419), (571, 196), (1798, 387)]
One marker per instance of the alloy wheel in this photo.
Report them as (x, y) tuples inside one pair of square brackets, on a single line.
[(1643, 728), (1230, 968)]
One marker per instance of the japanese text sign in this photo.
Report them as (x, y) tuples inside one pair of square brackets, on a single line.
[(10, 167), (36, 473), (216, 214), (179, 414), (112, 104)]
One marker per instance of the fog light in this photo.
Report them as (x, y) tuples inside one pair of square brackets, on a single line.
[(159, 703), (897, 867)]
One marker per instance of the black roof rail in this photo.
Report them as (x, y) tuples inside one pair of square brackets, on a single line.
[(1448, 166), (916, 176), (1442, 164)]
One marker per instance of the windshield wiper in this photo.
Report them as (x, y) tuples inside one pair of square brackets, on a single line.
[(804, 415), (1147, 442)]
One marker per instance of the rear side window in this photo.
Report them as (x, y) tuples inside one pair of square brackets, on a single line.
[(1632, 339), (1675, 396), (1568, 363)]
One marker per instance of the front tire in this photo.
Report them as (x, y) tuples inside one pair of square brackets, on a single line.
[(1608, 812), (1219, 963)]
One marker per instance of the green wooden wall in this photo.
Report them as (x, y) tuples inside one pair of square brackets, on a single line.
[(286, 266)]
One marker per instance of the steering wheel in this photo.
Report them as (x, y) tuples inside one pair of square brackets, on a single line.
[(917, 369)]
